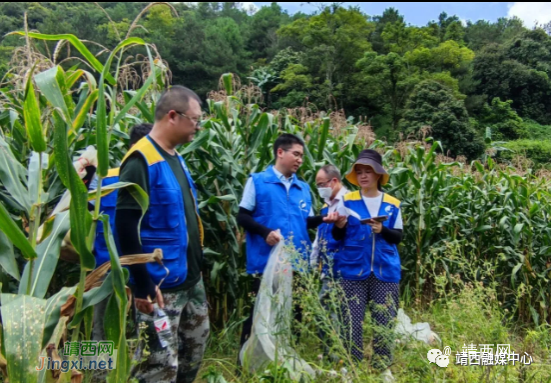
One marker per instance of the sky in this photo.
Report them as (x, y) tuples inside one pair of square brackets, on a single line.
[(421, 13)]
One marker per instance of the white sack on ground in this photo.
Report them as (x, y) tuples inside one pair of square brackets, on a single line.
[(419, 331)]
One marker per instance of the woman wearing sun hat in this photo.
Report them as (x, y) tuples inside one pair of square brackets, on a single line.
[(368, 263)]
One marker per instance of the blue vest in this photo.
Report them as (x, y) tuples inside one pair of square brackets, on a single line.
[(364, 252), (164, 224), (108, 204), (278, 209), (328, 246)]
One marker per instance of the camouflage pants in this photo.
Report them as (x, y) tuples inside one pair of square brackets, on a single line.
[(181, 360)]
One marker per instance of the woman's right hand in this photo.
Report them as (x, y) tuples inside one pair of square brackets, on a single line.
[(341, 222)]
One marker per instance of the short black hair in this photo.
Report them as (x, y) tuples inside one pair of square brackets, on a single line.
[(286, 142), (137, 132), (175, 98)]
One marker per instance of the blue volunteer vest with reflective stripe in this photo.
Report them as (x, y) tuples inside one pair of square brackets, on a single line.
[(278, 209), (328, 246), (164, 224), (356, 259), (108, 204)]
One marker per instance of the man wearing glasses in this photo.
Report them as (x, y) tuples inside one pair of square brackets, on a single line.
[(172, 224), (276, 199)]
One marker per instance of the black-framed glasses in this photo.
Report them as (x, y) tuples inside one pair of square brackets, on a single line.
[(194, 120), (296, 154)]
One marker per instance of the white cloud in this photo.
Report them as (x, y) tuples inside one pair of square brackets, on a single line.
[(531, 13), (249, 7)]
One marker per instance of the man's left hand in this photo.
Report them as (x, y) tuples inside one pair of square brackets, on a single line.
[(331, 217)]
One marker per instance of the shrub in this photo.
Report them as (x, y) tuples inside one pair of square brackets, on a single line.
[(539, 151)]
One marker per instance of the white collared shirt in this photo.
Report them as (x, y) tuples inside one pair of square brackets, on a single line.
[(249, 193)]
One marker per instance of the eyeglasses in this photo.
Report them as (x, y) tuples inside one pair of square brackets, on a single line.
[(195, 120), (323, 184), (296, 154)]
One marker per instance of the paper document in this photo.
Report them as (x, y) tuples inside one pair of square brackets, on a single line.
[(344, 211)]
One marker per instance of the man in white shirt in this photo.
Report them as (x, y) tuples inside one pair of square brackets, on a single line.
[(331, 190)]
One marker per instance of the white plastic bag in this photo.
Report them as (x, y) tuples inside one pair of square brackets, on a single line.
[(271, 330), (419, 331)]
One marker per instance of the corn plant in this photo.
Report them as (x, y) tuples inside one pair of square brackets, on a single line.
[(45, 120), (493, 213)]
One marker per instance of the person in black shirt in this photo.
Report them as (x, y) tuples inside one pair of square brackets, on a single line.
[(172, 224)]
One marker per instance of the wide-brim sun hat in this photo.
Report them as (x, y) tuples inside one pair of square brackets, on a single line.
[(371, 158)]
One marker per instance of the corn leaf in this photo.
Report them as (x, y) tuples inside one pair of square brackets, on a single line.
[(31, 114), (23, 324)]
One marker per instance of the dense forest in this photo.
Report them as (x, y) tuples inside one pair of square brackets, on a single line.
[(458, 79)]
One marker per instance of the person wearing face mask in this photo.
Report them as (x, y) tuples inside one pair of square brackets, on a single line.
[(331, 190), (368, 264)]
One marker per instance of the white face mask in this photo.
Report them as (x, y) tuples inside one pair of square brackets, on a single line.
[(325, 193)]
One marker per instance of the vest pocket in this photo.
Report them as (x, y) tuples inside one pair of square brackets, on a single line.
[(163, 212), (389, 262), (171, 250), (352, 253)]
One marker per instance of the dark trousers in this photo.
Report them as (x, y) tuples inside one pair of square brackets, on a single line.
[(248, 324), (382, 299)]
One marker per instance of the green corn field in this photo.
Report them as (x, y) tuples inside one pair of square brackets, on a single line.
[(485, 221)]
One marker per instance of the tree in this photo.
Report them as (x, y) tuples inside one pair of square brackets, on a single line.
[(519, 71), (388, 79), (332, 43), (294, 77), (400, 38), (455, 31), (444, 22), (448, 56), (432, 104), (389, 16), (503, 120), (262, 39), (482, 32)]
